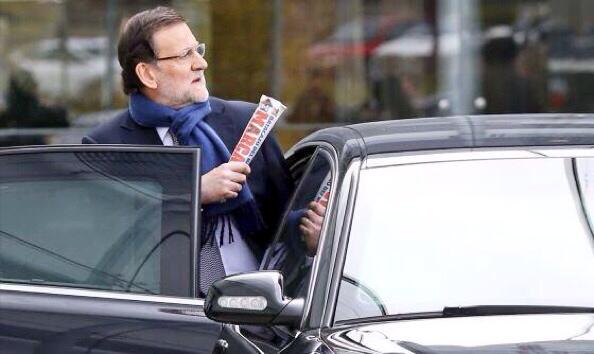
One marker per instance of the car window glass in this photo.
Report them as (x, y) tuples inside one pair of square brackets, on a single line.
[(464, 233), (584, 170), (97, 220), (297, 239)]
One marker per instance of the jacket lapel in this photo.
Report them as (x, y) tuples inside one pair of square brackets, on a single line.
[(137, 134), (222, 124)]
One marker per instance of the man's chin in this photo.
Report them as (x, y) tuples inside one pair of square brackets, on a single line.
[(202, 96)]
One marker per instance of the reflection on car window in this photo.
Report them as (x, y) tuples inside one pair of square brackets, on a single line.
[(465, 233), (108, 221), (584, 170), (297, 240)]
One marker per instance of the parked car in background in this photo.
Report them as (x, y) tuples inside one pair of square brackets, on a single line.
[(357, 38), (66, 69), (446, 235)]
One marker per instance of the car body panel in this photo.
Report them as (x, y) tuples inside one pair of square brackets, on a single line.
[(441, 139), (417, 135), (54, 319), (36, 322), (566, 333)]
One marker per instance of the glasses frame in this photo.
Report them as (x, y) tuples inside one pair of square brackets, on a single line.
[(200, 49)]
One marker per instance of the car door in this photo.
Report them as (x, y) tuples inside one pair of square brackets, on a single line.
[(293, 252), (97, 251)]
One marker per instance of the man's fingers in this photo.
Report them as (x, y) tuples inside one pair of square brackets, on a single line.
[(309, 224), (230, 195), (234, 187), (315, 218), (305, 231), (237, 166), (305, 222), (236, 177), (223, 182), (318, 208)]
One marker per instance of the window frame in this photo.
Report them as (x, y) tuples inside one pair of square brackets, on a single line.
[(192, 299), (423, 157), (336, 244), (304, 163), (314, 305)]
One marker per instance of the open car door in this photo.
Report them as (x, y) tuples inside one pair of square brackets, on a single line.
[(98, 251)]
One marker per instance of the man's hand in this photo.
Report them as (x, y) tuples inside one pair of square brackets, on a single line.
[(310, 226), (223, 182)]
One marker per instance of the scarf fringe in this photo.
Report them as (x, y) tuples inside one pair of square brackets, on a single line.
[(209, 227)]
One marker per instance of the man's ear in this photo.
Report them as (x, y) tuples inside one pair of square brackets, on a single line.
[(146, 75)]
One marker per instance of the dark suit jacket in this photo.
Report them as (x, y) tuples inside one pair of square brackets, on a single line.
[(270, 181)]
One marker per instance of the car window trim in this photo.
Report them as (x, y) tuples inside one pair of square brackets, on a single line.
[(345, 210), (97, 147), (391, 159), (195, 223), (184, 150), (98, 294), (407, 158), (331, 156)]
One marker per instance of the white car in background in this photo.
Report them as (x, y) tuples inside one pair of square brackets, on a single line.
[(70, 72)]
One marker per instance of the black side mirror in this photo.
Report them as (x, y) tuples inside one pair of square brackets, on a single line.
[(254, 298)]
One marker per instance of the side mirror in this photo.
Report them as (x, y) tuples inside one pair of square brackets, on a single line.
[(254, 298)]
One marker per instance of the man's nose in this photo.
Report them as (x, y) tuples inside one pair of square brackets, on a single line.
[(199, 63)]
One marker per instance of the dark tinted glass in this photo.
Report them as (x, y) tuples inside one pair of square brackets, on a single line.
[(294, 249), (109, 220)]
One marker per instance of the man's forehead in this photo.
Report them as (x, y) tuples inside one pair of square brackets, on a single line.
[(173, 37)]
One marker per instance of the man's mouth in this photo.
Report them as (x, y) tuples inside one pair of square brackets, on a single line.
[(198, 79)]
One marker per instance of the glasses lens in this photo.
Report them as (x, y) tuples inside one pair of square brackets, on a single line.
[(201, 49)]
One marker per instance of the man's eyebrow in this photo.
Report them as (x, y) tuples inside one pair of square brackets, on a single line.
[(192, 46), (182, 51)]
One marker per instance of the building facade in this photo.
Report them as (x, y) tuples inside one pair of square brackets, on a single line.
[(331, 62)]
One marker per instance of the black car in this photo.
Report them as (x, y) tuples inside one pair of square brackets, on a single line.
[(449, 235)]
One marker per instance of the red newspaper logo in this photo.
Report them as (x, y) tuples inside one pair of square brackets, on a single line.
[(250, 134), (257, 129)]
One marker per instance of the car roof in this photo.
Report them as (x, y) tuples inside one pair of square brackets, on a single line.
[(517, 130)]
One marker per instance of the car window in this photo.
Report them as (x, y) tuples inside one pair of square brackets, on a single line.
[(110, 220), (297, 240), (464, 233)]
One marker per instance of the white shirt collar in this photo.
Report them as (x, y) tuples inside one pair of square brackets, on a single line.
[(165, 137)]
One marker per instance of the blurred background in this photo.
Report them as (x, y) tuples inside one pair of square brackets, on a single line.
[(331, 62)]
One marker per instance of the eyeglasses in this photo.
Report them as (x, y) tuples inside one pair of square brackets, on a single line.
[(200, 49)]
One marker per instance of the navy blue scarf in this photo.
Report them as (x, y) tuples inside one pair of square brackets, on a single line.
[(189, 127)]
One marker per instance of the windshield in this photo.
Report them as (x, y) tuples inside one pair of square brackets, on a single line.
[(466, 233)]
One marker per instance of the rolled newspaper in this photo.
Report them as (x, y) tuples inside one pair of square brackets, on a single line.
[(260, 124), (324, 191)]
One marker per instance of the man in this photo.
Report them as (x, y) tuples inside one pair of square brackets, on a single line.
[(163, 73)]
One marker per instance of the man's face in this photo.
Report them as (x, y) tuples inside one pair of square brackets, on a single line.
[(180, 80)]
